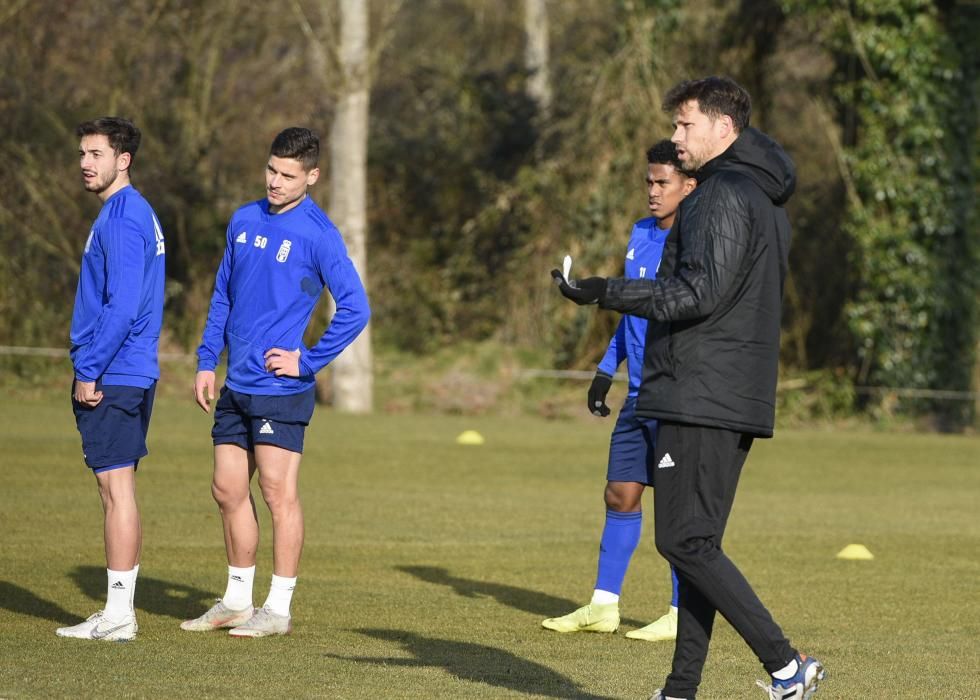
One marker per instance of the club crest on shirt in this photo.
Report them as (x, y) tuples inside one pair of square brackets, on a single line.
[(284, 251)]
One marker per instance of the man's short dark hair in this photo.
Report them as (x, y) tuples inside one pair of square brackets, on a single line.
[(123, 135), (716, 96), (299, 143), (665, 153)]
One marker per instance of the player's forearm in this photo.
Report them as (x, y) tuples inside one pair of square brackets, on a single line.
[(213, 338), (615, 352), (212, 343), (346, 325)]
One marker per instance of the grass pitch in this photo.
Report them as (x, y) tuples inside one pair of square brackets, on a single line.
[(429, 566)]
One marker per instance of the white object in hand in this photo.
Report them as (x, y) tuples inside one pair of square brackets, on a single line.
[(566, 267)]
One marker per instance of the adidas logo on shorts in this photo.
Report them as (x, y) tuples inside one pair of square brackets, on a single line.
[(266, 429), (665, 461)]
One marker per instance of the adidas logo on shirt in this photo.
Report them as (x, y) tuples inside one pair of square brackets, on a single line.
[(242, 238), (665, 462), (266, 429)]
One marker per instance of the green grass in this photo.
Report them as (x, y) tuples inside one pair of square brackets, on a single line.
[(428, 566)]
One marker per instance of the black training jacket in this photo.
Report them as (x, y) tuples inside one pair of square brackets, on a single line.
[(712, 347)]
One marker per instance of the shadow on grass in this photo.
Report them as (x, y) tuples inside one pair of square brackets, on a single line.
[(534, 602), (152, 594), (477, 663), (20, 600)]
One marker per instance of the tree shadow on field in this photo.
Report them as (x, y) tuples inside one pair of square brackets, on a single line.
[(476, 663), (152, 594), (20, 600), (533, 602)]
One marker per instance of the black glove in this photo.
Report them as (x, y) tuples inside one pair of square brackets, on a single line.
[(590, 290), (597, 394)]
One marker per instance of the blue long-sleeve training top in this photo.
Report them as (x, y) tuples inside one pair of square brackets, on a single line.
[(274, 268), (115, 325), (643, 256)]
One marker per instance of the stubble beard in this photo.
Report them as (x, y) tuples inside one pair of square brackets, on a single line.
[(102, 184), (694, 161)]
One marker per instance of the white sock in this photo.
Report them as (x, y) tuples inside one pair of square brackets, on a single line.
[(280, 594), (132, 589), (238, 592), (603, 597), (120, 586), (787, 671)]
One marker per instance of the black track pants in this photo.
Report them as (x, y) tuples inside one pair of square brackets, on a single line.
[(695, 479)]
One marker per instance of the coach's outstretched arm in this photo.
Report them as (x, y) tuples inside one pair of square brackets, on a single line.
[(706, 271)]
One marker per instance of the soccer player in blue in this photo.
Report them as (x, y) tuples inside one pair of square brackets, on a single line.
[(115, 331), (631, 466), (280, 253)]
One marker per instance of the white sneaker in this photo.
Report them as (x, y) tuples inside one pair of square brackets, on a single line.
[(264, 623), (99, 627), (802, 686), (218, 616)]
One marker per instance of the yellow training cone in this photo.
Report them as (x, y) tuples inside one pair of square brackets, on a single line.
[(855, 551), (469, 437)]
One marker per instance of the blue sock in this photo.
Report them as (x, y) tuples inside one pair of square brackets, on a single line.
[(673, 582), (620, 537)]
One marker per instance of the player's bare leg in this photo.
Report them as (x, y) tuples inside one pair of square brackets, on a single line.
[(279, 480), (123, 537), (624, 496), (233, 470)]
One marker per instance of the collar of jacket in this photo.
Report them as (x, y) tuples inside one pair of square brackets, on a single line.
[(758, 157), (716, 163)]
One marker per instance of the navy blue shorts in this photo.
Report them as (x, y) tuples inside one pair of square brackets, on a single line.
[(631, 446), (114, 432), (248, 420)]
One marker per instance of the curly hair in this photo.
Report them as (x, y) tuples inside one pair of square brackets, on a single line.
[(665, 153)]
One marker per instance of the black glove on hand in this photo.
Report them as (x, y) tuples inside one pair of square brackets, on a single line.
[(590, 290), (597, 394)]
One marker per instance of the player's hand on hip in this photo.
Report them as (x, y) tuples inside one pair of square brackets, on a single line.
[(86, 394), (597, 394), (204, 389), (282, 363), (590, 290)]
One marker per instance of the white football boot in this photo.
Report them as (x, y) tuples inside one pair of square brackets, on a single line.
[(99, 627)]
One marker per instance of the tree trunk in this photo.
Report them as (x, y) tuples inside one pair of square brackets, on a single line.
[(352, 371), (536, 54)]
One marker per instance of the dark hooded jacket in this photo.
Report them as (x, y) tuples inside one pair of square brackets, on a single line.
[(712, 350)]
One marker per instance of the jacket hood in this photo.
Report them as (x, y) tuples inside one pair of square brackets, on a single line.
[(762, 160)]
